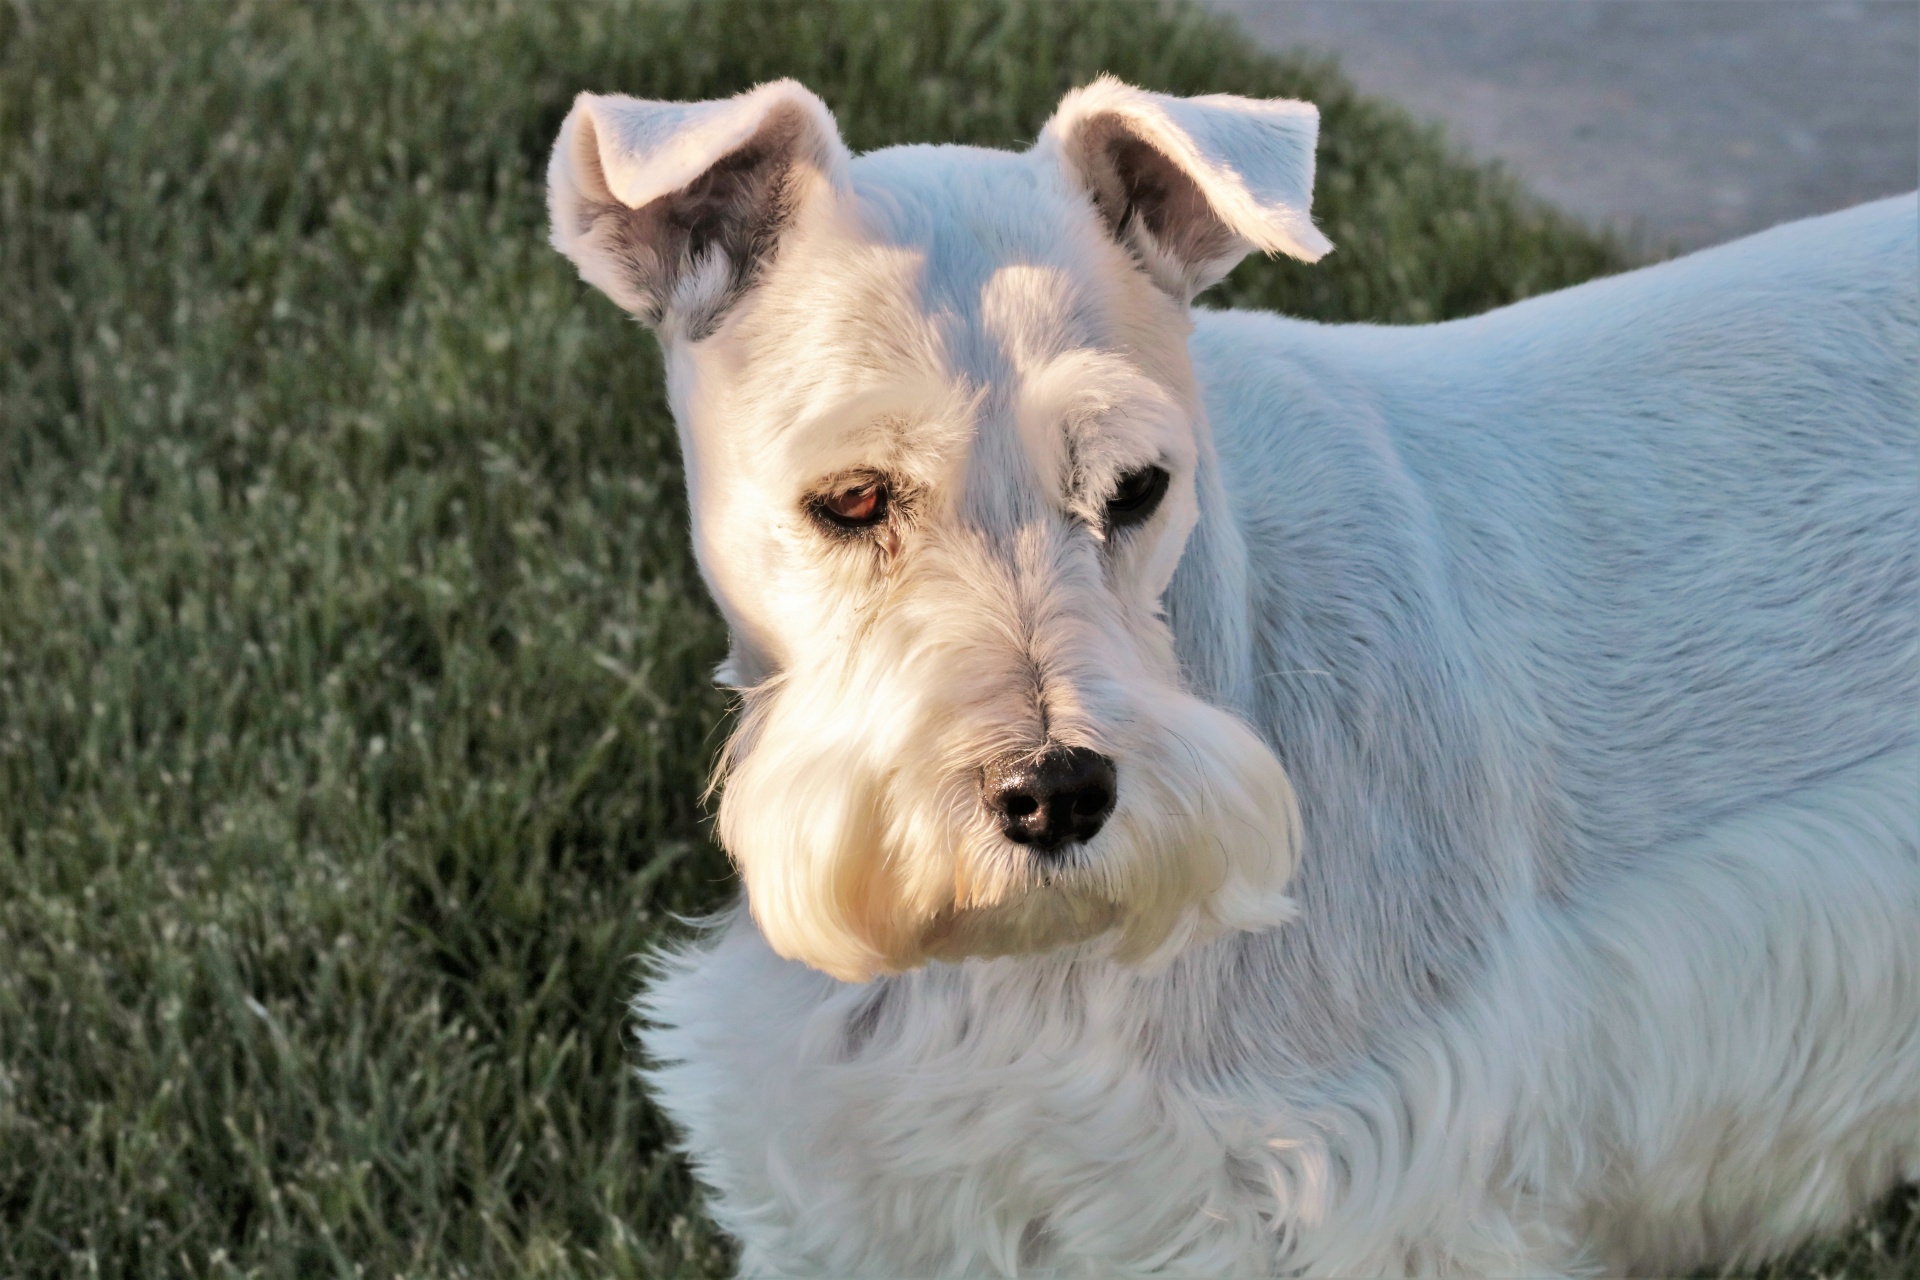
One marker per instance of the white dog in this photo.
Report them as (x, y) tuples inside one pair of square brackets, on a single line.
[(1569, 652)]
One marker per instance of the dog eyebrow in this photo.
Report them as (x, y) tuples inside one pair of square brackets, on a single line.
[(1068, 406), (891, 402)]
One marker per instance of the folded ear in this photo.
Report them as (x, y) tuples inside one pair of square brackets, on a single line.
[(1192, 185), (670, 208)]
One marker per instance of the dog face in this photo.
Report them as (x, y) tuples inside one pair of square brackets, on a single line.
[(941, 441)]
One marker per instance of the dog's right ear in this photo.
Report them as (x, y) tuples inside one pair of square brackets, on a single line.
[(670, 208), (1190, 186)]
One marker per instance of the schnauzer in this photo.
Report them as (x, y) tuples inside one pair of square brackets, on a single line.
[(1222, 795)]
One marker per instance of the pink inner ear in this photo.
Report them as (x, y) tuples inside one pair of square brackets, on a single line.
[(1164, 199), (1192, 183), (1153, 206), (644, 195), (737, 207)]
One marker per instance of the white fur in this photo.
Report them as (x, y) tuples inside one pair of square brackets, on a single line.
[(1569, 650)]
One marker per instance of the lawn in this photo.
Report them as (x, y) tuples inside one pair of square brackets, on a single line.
[(353, 666)]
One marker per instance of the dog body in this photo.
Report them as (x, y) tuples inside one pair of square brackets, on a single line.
[(1571, 648)]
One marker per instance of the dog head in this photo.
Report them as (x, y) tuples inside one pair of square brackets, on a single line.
[(944, 454)]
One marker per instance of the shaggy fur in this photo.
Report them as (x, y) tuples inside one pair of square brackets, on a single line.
[(1570, 652)]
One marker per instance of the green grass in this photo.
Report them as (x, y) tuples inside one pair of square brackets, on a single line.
[(353, 701)]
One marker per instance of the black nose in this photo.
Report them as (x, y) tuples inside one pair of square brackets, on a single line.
[(1054, 799)]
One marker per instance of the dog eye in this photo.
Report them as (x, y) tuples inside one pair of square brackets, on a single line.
[(1136, 497), (854, 507)]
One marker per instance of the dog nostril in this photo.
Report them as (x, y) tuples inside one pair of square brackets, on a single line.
[(1090, 801), (1060, 797)]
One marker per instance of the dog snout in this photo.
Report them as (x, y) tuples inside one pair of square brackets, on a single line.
[(1057, 798)]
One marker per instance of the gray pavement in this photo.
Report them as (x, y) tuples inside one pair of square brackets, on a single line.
[(1678, 121)]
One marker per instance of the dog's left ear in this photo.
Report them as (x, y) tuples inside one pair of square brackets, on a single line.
[(1192, 185), (670, 208)]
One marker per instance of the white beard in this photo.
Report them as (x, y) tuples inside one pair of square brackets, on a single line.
[(851, 795)]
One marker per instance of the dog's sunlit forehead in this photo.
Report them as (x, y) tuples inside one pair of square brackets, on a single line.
[(988, 318)]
